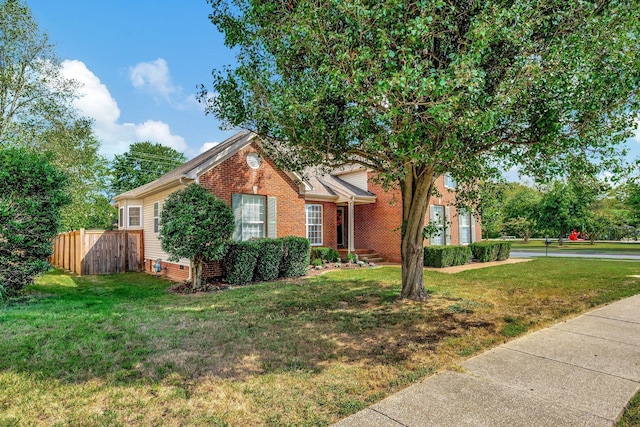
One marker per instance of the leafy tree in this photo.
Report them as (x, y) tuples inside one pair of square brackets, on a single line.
[(32, 192), (194, 224), (32, 88), (520, 211), (36, 112), (73, 149), (492, 199), (415, 89), (143, 163)]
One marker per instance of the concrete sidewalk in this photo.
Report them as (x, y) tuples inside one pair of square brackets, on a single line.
[(582, 372)]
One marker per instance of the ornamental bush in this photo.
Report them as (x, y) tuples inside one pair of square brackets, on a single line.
[(446, 256), (296, 257), (490, 251), (325, 254), (240, 262), (32, 192), (270, 253)]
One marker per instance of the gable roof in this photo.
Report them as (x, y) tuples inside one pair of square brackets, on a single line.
[(190, 170), (317, 185)]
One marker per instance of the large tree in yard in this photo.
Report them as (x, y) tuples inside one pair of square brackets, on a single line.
[(414, 89), (196, 225)]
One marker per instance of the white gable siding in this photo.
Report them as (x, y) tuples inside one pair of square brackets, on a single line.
[(358, 178), (152, 248)]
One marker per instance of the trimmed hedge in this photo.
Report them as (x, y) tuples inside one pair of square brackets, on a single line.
[(446, 256), (295, 257), (490, 251), (325, 254), (241, 261), (270, 253)]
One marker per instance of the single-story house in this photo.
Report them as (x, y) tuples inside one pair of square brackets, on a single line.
[(344, 209)]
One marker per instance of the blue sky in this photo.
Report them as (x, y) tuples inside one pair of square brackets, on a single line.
[(140, 63)]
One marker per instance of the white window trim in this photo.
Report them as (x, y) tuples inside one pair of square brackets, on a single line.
[(156, 217), (129, 216), (447, 178), (442, 225), (263, 200), (306, 215), (121, 221)]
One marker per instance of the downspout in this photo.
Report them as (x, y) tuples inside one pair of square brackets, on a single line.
[(351, 247)]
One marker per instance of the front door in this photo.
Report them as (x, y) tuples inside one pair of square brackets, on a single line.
[(341, 225)]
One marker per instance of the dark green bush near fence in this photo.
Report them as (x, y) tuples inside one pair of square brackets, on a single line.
[(270, 253), (266, 259), (325, 254), (240, 262), (295, 257), (490, 251), (446, 256)]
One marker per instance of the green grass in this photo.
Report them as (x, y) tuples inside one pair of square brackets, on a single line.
[(631, 417), (122, 350), (538, 245)]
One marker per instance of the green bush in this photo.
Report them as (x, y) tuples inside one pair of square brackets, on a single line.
[(490, 251), (296, 256), (446, 256), (270, 253), (325, 254), (240, 262), (351, 257)]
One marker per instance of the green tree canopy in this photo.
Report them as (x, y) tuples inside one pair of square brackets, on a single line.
[(196, 225), (414, 89), (143, 163), (32, 192)]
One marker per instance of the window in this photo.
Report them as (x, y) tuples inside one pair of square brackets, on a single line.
[(249, 212), (314, 224), (436, 216), (449, 182), (464, 227), (135, 216), (121, 218), (156, 217)]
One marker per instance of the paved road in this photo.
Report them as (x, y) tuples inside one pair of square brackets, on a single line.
[(577, 254)]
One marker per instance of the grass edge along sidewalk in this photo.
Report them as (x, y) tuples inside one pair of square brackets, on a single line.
[(122, 350)]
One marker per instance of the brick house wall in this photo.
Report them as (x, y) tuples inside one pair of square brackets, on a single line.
[(377, 226), (234, 176)]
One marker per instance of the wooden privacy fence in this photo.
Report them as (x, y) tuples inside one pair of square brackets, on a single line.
[(88, 252)]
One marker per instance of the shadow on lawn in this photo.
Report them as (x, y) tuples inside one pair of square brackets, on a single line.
[(134, 331)]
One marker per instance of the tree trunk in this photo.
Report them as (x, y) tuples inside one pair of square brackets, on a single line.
[(416, 192), (196, 274)]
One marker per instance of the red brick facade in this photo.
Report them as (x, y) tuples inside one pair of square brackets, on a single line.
[(377, 226), (234, 176)]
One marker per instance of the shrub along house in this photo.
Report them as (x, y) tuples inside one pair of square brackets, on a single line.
[(344, 209)]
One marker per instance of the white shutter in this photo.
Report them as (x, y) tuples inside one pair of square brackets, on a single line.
[(432, 215), (271, 218), (236, 206), (447, 226), (473, 228)]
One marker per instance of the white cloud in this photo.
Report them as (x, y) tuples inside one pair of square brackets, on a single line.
[(154, 77), (97, 103), (207, 146)]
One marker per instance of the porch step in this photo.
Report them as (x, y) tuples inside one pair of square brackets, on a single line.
[(369, 254)]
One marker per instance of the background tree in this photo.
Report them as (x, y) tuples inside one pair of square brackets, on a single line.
[(143, 163), (36, 112), (32, 192), (194, 224), (520, 211), (492, 199), (416, 89), (32, 88)]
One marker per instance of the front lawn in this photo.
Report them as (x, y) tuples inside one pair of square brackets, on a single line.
[(121, 349), (538, 245)]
